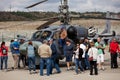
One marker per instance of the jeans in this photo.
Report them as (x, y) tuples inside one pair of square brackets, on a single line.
[(31, 63), (78, 64), (4, 60), (54, 64), (47, 62)]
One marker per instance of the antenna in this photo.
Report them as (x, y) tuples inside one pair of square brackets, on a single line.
[(108, 24)]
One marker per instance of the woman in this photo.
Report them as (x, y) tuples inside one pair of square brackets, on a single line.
[(31, 57), (68, 51), (93, 52), (4, 56), (78, 58)]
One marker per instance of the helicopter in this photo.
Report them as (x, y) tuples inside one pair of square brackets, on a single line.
[(74, 32)]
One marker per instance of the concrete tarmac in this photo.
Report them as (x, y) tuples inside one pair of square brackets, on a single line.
[(23, 74)]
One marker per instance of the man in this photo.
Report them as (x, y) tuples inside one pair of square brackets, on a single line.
[(16, 53), (22, 56), (45, 52), (113, 50), (87, 44), (63, 35), (82, 46), (54, 60), (100, 46), (11, 49)]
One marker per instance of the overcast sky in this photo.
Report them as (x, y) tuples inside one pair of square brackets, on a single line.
[(52, 5)]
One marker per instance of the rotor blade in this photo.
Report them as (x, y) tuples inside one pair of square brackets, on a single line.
[(36, 4), (48, 23), (85, 17)]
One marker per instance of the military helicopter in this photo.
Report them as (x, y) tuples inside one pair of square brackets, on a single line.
[(74, 32), (65, 18)]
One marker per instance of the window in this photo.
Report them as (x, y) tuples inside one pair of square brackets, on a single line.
[(37, 35), (46, 35)]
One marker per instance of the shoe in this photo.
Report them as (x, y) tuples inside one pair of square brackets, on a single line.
[(41, 74), (116, 67), (35, 72), (59, 72), (96, 74), (12, 68), (82, 71), (71, 68), (30, 72), (5, 70), (99, 68), (91, 74), (68, 69), (48, 75), (102, 68), (76, 73), (19, 67)]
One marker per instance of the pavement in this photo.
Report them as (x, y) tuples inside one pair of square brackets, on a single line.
[(23, 74)]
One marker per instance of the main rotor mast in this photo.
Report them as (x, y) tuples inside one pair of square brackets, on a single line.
[(64, 12)]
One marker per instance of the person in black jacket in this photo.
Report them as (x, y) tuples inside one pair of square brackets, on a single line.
[(78, 58), (54, 60)]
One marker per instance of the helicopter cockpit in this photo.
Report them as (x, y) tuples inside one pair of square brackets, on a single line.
[(42, 35)]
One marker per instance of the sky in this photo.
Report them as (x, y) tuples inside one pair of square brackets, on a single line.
[(52, 5)]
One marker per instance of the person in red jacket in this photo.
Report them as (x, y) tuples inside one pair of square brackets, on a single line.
[(3, 55), (114, 46)]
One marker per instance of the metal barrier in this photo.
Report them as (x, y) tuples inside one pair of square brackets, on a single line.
[(7, 35)]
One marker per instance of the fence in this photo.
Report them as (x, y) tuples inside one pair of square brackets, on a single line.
[(7, 35)]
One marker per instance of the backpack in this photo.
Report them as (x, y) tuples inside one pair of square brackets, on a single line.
[(4, 51)]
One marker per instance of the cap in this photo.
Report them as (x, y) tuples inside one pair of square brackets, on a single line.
[(15, 39), (68, 40), (90, 40), (45, 41)]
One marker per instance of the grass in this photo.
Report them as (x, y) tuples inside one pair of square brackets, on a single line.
[(32, 25)]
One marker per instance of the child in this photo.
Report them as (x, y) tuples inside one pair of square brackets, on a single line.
[(93, 52)]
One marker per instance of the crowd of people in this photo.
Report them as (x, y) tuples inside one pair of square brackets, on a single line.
[(87, 55)]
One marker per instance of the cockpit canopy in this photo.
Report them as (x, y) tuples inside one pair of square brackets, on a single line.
[(42, 35)]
